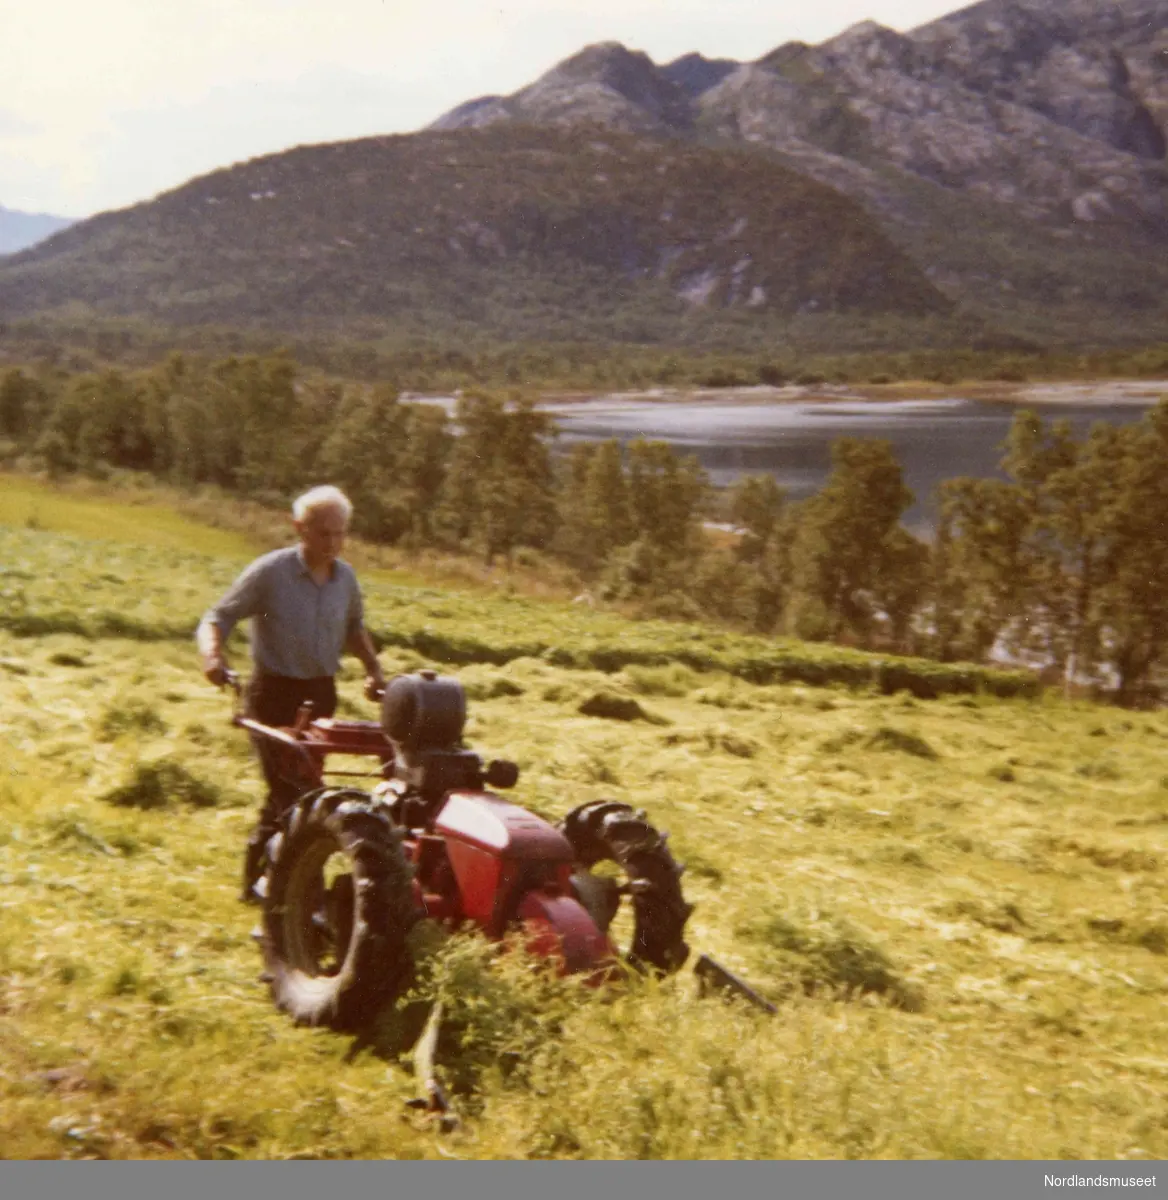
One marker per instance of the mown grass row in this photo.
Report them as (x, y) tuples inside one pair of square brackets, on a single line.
[(958, 907), (52, 583)]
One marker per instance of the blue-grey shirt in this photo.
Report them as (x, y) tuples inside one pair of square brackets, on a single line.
[(298, 626)]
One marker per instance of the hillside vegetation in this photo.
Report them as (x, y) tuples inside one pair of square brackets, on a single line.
[(958, 904), (516, 233)]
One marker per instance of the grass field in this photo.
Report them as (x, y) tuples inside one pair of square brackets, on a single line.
[(958, 904)]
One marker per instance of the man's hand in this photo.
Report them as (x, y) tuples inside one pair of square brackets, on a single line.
[(361, 644), (216, 670)]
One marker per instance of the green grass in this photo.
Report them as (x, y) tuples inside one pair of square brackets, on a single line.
[(957, 904), (27, 504)]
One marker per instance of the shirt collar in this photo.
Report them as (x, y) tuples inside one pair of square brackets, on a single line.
[(300, 562)]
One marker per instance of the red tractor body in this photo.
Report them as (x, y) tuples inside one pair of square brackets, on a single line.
[(431, 840)]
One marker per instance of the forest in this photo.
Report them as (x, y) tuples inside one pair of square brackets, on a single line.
[(1057, 565)]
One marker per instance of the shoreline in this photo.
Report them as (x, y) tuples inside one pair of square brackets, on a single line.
[(1138, 392)]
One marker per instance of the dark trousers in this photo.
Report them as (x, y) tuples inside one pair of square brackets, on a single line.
[(275, 700)]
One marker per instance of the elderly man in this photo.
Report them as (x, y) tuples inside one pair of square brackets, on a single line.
[(305, 608)]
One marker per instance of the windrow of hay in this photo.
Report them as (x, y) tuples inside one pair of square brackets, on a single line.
[(452, 629)]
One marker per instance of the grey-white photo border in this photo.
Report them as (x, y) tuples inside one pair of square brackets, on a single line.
[(439, 1180)]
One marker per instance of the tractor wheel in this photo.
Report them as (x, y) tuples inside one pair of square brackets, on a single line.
[(605, 831), (338, 908)]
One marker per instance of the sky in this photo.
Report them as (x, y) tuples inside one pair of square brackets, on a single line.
[(104, 104)]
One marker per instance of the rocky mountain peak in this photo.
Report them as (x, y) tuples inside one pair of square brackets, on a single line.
[(474, 114), (784, 55), (1092, 68), (695, 74), (608, 82), (873, 45), (1056, 110), (605, 83)]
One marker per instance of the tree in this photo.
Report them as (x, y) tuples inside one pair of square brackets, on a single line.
[(847, 546), (265, 407), (1134, 587), (758, 508), (204, 434), (428, 448), (594, 506), (23, 404), (364, 454), (899, 587), (111, 427), (982, 568), (499, 491), (147, 421), (1075, 526), (667, 495)]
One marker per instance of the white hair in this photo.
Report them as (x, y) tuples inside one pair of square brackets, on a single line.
[(318, 498)]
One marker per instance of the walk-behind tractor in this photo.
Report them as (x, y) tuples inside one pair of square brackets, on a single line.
[(351, 871)]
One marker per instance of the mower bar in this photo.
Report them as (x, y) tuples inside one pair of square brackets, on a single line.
[(713, 975)]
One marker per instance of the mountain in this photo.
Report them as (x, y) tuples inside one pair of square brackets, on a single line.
[(1021, 104), (1058, 110), (603, 84), (514, 229), (19, 230), (1003, 167), (1015, 149)]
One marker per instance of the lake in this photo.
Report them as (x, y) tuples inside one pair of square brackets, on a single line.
[(934, 439)]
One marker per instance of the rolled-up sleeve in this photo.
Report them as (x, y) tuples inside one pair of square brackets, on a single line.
[(245, 598)]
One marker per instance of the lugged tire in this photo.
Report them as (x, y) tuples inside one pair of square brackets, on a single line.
[(367, 918), (605, 830)]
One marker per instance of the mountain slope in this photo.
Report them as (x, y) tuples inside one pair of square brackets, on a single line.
[(604, 84), (1058, 111), (1036, 116), (19, 230), (1014, 149), (695, 74), (503, 228), (1005, 164)]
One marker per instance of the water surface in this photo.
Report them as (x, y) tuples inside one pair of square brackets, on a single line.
[(934, 439)]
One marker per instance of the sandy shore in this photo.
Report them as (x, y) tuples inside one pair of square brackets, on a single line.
[(1139, 392), (1104, 391)]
